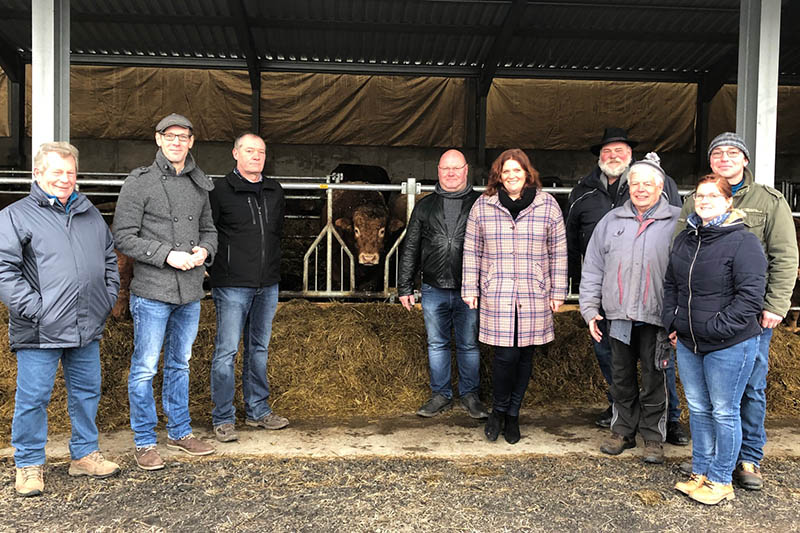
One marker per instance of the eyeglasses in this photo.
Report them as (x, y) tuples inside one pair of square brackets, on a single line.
[(169, 137), (452, 169), (731, 154), (701, 197)]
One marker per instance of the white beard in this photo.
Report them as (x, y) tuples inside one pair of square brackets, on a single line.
[(614, 173)]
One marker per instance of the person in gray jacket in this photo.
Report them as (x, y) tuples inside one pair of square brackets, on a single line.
[(163, 222), (59, 280), (623, 274)]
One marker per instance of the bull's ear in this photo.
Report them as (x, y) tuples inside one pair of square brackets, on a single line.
[(344, 223), (396, 224)]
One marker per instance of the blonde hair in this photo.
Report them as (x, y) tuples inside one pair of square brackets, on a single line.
[(62, 148)]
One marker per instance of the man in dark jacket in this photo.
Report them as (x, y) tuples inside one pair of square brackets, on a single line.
[(163, 222), (605, 188), (434, 244), (248, 213), (58, 277)]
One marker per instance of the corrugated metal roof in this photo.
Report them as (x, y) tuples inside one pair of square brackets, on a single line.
[(622, 39)]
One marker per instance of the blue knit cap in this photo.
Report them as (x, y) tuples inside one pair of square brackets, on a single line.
[(729, 139)]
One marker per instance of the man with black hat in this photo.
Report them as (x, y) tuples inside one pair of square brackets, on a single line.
[(770, 219), (163, 222), (605, 188)]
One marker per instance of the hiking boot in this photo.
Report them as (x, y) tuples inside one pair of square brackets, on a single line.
[(30, 480), (676, 434), (711, 493), (148, 458), (615, 444), (270, 421), (93, 465), (191, 445), (226, 433), (473, 405), (605, 419), (748, 476), (494, 424), (691, 484), (686, 468), (653, 452), (437, 404), (511, 429)]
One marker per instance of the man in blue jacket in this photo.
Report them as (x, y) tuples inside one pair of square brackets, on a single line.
[(603, 189), (58, 277), (248, 212)]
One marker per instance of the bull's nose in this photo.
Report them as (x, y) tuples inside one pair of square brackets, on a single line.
[(368, 259)]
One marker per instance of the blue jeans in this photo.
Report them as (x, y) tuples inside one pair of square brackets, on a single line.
[(754, 405), (251, 310), (174, 326), (36, 372), (444, 309), (714, 384)]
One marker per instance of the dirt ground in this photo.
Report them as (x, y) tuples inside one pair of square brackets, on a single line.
[(523, 493)]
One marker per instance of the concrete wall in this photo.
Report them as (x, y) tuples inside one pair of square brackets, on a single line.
[(400, 163)]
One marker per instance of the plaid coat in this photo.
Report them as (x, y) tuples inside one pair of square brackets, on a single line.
[(518, 263)]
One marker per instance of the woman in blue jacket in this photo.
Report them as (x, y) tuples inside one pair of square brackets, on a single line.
[(713, 295)]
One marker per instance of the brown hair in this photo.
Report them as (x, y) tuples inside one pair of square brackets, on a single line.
[(721, 182), (515, 154)]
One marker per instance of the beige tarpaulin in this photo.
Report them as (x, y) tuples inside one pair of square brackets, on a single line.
[(722, 116), (5, 130), (362, 110), (571, 115)]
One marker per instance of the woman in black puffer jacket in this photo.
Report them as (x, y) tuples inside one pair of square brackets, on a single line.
[(713, 296)]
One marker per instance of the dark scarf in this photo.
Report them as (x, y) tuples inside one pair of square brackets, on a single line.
[(515, 206)]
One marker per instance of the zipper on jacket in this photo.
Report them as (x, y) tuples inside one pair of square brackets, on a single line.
[(689, 302), (261, 229), (252, 209)]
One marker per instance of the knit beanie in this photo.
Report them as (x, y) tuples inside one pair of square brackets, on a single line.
[(650, 160), (729, 139)]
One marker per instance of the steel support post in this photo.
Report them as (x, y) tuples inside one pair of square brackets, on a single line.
[(50, 71)]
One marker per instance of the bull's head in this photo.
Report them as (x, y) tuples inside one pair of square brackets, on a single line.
[(368, 225)]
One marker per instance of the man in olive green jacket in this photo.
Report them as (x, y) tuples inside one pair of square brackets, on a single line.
[(769, 217)]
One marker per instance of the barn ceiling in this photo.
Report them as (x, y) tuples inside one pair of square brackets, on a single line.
[(672, 40)]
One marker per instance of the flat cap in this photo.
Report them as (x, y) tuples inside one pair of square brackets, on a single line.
[(174, 119)]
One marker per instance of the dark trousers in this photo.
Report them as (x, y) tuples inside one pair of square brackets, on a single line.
[(511, 372), (635, 408)]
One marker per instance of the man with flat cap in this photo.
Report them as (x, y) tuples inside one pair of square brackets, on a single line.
[(163, 222), (603, 189)]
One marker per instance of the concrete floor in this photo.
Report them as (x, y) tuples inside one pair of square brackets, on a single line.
[(450, 435)]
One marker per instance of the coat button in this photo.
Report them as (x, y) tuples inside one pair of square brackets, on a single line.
[(190, 217), (191, 243), (177, 244), (148, 253), (175, 219), (164, 178)]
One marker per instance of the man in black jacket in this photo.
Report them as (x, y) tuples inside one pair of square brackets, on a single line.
[(605, 188), (434, 244), (248, 210)]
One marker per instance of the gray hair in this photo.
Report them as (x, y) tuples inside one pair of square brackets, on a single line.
[(238, 141), (651, 161), (62, 148)]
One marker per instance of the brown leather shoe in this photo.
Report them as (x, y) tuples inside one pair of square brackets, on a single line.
[(191, 445), (691, 484), (94, 465), (615, 444), (148, 458), (748, 476), (653, 452), (30, 480), (711, 493)]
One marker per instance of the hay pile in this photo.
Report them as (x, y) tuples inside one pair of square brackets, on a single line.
[(342, 360)]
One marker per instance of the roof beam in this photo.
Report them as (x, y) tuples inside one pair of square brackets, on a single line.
[(500, 46), (245, 39), (11, 61)]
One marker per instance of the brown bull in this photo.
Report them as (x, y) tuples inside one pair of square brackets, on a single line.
[(361, 216)]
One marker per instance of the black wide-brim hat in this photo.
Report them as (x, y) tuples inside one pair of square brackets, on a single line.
[(612, 135)]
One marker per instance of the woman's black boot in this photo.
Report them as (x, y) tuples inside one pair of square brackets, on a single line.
[(494, 424), (511, 431)]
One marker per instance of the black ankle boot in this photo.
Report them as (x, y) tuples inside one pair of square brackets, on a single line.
[(494, 424), (511, 431)]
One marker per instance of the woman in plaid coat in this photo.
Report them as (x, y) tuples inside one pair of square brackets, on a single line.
[(515, 267)]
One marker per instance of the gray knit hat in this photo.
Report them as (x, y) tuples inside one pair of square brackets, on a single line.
[(653, 161), (729, 139)]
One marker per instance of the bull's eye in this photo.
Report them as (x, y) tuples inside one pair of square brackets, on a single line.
[(355, 230), (381, 232)]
